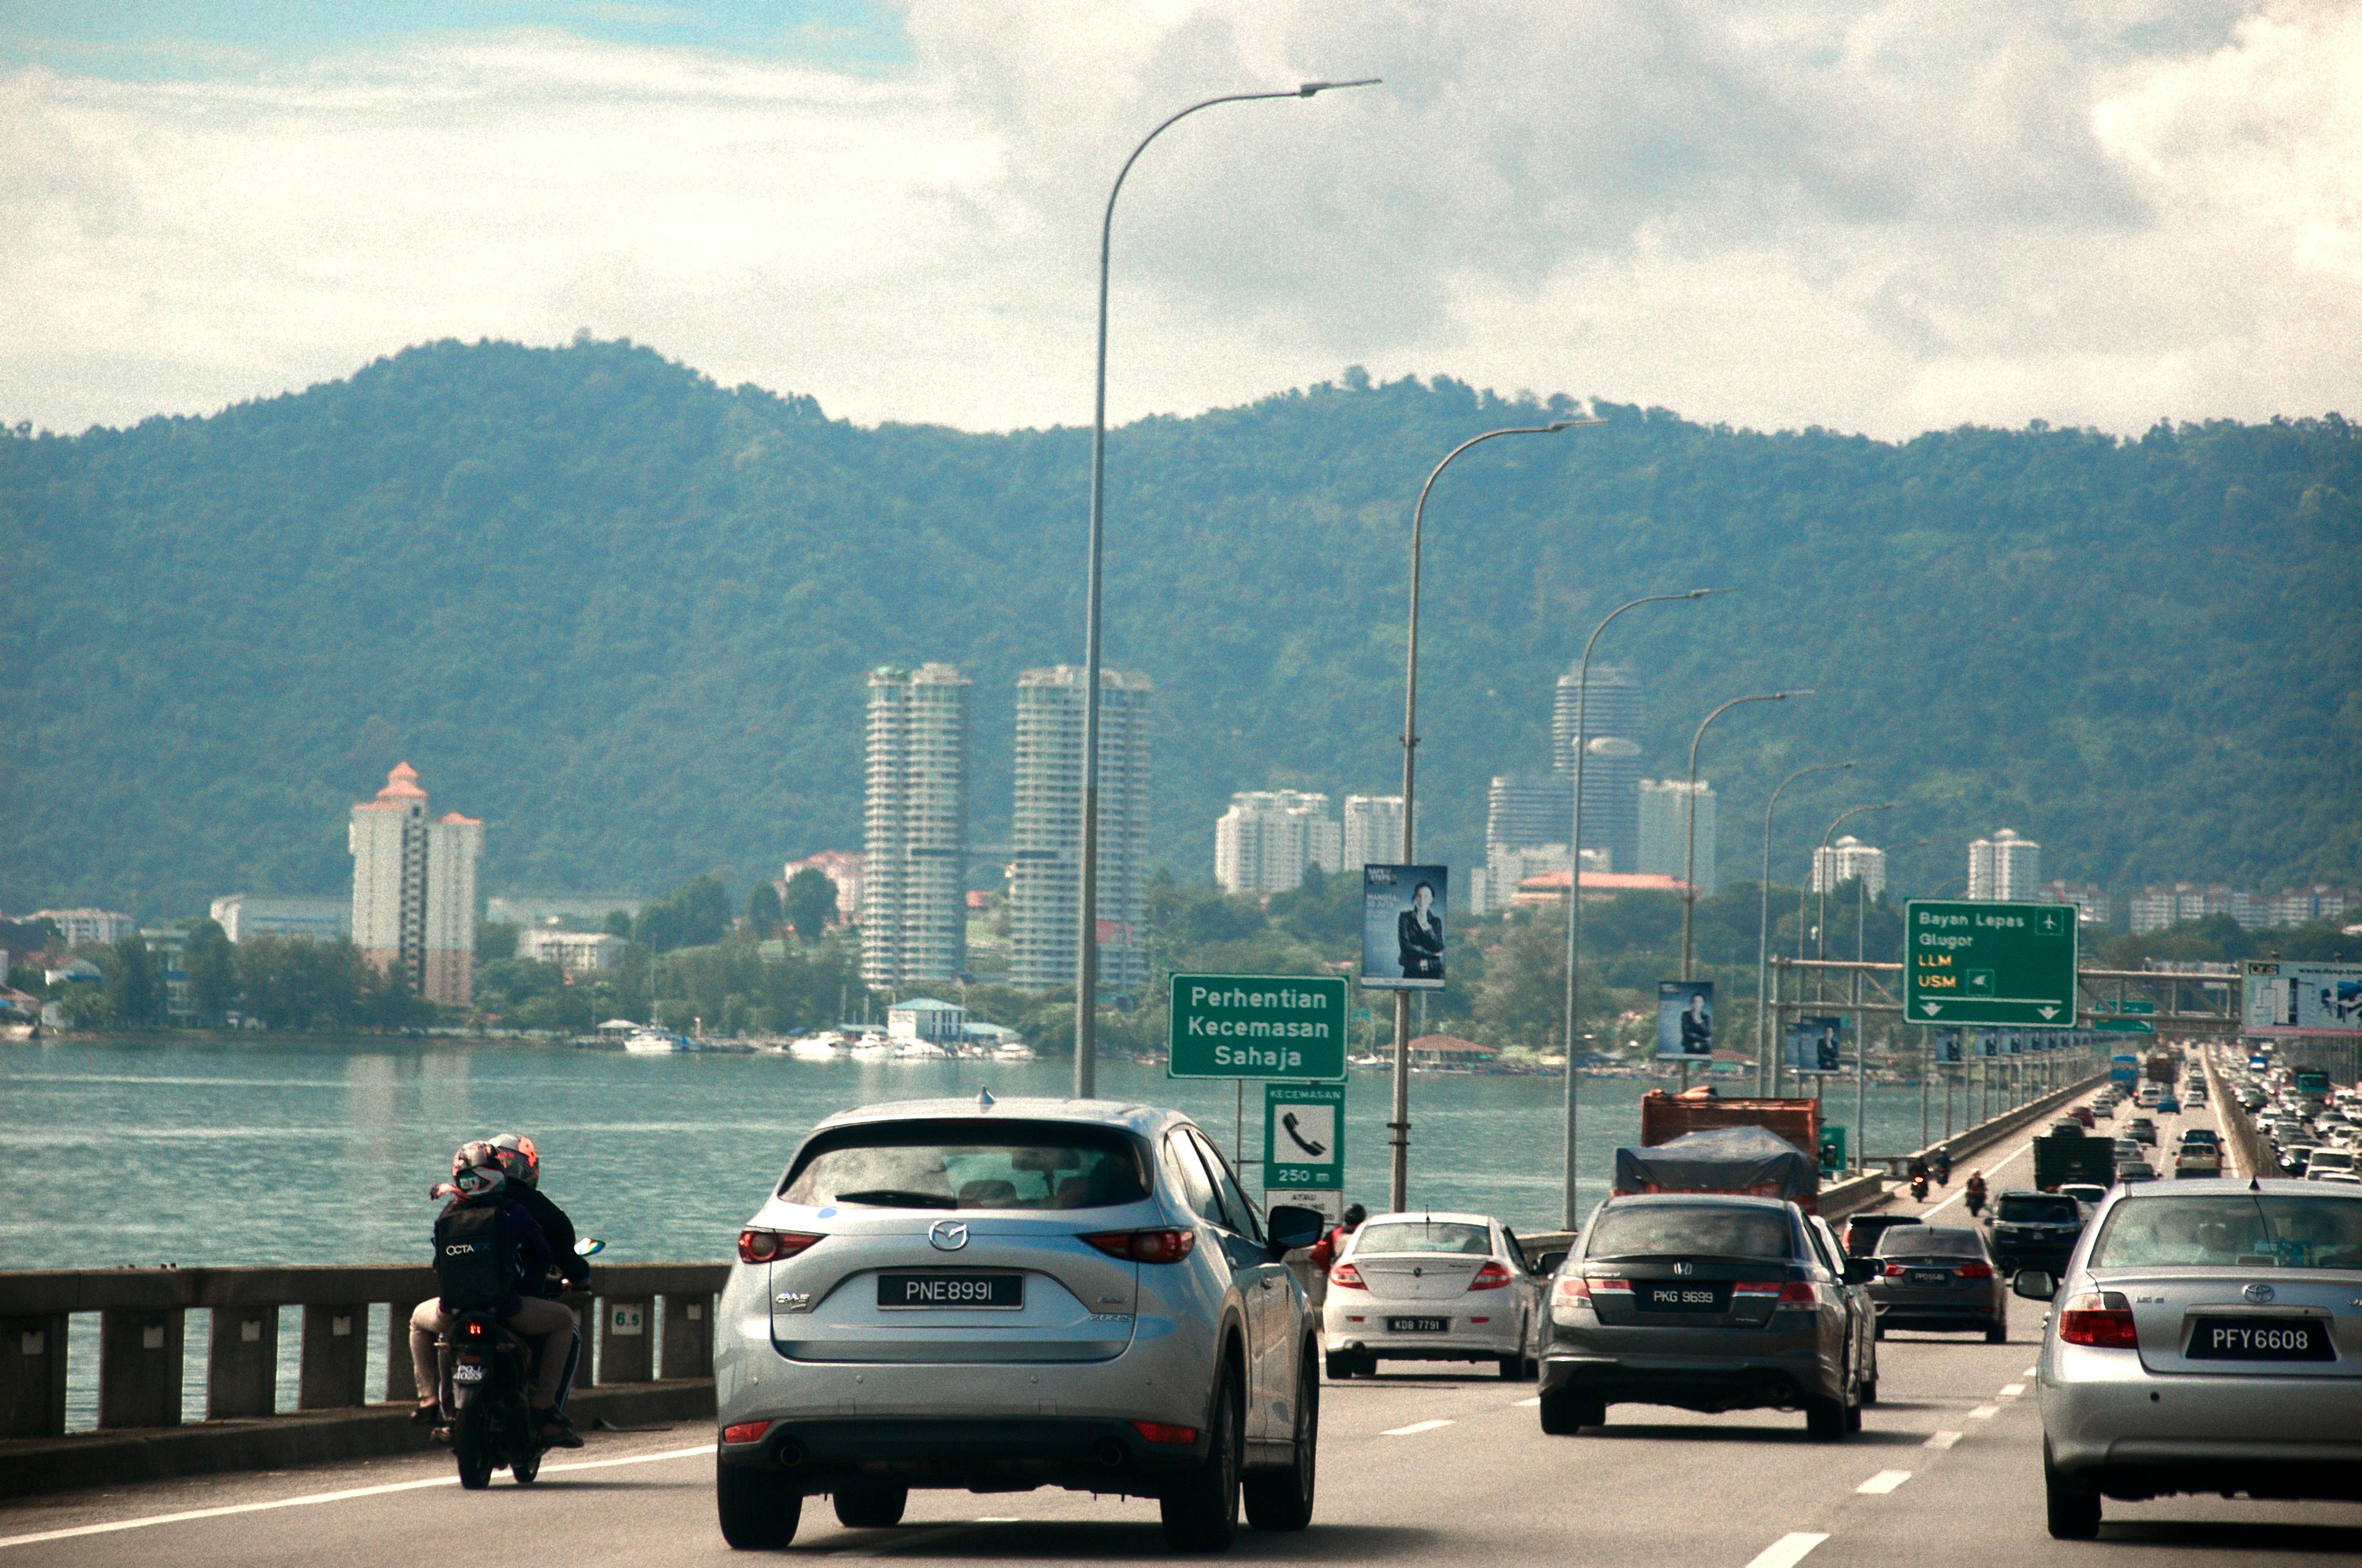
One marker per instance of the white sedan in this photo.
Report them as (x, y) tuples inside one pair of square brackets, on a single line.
[(1431, 1287)]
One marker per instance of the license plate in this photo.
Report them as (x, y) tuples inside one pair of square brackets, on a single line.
[(2261, 1339), (1417, 1325), (468, 1372), (1931, 1276), (1002, 1292), (1679, 1297)]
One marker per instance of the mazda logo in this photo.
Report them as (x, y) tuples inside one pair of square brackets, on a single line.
[(2257, 1292), (948, 1235)]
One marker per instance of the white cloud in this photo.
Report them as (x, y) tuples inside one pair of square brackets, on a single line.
[(1890, 218)]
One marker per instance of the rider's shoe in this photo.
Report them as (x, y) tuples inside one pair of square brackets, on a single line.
[(556, 1432)]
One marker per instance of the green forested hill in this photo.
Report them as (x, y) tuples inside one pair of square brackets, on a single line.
[(623, 615)]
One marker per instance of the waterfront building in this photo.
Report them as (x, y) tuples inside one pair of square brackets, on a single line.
[(415, 890), (925, 1018), (2094, 907), (2005, 869), (1267, 838), (78, 926), (914, 827), (843, 866), (1845, 860), (575, 952), (245, 915), (1664, 831), (1373, 832), (1046, 829)]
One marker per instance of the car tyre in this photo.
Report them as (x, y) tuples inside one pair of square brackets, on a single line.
[(1340, 1366), (1870, 1392), (871, 1507), (2072, 1505), (1878, 1332), (1825, 1420), (1512, 1367), (1201, 1511), (1566, 1413), (1282, 1499), (1997, 1331), (759, 1509), (1367, 1365)]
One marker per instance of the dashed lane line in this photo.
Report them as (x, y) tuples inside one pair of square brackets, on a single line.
[(1984, 1412), (1527, 1404), (1941, 1440), (2012, 1390), (348, 1495), (1885, 1481), (2027, 1373), (1788, 1551), (1414, 1429)]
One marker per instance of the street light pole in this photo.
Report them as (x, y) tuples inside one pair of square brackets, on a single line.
[(1764, 1044), (1821, 951), (1088, 904), (1574, 869), (1398, 1123), (1689, 854)]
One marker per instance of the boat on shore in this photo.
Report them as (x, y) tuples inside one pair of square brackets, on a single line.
[(649, 1040)]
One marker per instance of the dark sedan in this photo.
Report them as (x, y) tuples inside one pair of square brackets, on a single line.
[(2036, 1229), (1940, 1277)]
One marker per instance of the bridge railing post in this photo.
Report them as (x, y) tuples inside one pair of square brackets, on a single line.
[(626, 1339), (688, 1336), (336, 1356), (140, 1360), (401, 1380), (33, 1376), (242, 1362)]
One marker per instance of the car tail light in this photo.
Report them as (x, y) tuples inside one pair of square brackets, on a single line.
[(1783, 1292), (771, 1246), (1979, 1270), (1165, 1431), (1345, 1276), (745, 1431), (1160, 1246), (2100, 1317), (1892, 1271), (1494, 1276), (1571, 1290)]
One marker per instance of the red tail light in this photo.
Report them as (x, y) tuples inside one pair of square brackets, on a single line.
[(475, 1329), (2100, 1318), (1345, 1276), (745, 1431), (771, 1246), (1492, 1277), (1892, 1271), (1165, 1431), (1571, 1290), (1782, 1292), (1163, 1246), (1974, 1271)]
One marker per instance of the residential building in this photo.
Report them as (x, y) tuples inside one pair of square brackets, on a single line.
[(2005, 869), (1373, 832), (1047, 828), (914, 827), (77, 926), (1527, 818), (169, 950), (2094, 907), (1616, 709), (1548, 889), (1664, 831), (583, 911), (575, 952), (925, 1018), (1267, 838), (415, 890), (2161, 905), (843, 866), (1611, 765), (245, 915), (2296, 906), (1845, 860)]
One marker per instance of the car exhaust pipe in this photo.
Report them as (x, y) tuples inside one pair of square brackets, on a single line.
[(792, 1454), (1109, 1454)]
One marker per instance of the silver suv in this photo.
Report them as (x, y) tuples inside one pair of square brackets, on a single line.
[(997, 1297)]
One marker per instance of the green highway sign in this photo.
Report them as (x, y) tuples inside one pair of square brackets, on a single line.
[(2130, 1005), (1304, 1136), (2010, 966), (2123, 1026), (1257, 1026)]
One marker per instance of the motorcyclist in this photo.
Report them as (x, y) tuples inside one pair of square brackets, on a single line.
[(1974, 1192), (1324, 1250), (1943, 1166), (520, 1162), (477, 1180)]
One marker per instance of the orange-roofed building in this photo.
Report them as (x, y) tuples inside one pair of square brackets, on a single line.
[(1550, 888), (415, 890)]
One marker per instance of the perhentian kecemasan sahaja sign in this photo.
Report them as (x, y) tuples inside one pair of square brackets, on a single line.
[(1257, 1026)]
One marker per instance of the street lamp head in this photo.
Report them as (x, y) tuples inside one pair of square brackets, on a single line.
[(1309, 88), (1783, 696), (1706, 592)]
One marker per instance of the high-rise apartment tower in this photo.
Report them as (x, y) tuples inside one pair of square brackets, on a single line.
[(1373, 832), (1265, 840), (1611, 767), (415, 890), (2005, 869), (914, 827), (1045, 888), (1664, 829)]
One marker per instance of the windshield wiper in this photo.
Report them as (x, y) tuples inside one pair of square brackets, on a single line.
[(895, 1197)]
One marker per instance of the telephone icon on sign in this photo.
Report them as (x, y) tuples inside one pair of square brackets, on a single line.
[(1287, 1125)]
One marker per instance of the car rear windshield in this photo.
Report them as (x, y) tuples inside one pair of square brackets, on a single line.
[(1424, 1236), (2233, 1230), (1930, 1241), (2016, 1211), (1700, 1229), (969, 1165)]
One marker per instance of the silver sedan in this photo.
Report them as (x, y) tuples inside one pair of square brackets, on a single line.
[(2207, 1337), (1433, 1287)]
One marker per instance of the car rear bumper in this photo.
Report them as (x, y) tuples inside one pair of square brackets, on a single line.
[(992, 1455), (2140, 1432), (1779, 1371), (1362, 1327)]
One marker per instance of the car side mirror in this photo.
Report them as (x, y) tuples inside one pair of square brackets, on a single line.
[(1290, 1227), (2034, 1285), (1860, 1271), (1549, 1262)]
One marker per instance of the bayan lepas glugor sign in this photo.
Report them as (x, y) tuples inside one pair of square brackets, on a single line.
[(2006, 965), (1257, 1026)]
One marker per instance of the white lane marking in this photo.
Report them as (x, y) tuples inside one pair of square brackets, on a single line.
[(1414, 1427), (1885, 1481), (2012, 1390), (344, 1497), (1788, 1551), (1942, 1440), (2027, 1373), (1527, 1404), (1984, 1412), (2009, 1158)]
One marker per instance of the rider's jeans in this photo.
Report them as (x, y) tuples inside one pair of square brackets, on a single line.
[(549, 1322)]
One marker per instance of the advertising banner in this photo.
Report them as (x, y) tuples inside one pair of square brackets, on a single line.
[(1814, 1045), (1685, 1021), (1403, 914), (1948, 1045), (2302, 998)]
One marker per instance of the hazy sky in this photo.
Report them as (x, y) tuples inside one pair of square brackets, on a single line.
[(1878, 217)]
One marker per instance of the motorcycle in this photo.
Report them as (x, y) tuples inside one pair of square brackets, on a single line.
[(487, 1374), (1919, 1188), (1975, 1201)]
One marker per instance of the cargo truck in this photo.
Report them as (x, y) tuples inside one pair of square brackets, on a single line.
[(1797, 1123), (2060, 1159)]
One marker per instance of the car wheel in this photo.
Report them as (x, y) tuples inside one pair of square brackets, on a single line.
[(1825, 1420), (1282, 1499), (1201, 1511), (1878, 1332), (1997, 1331), (759, 1508), (2073, 1507), (1853, 1418), (871, 1507), (1531, 1370), (1340, 1366), (1870, 1392), (1511, 1367), (1566, 1413), (1367, 1365)]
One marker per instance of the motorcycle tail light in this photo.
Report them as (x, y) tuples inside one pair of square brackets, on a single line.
[(1345, 1276), (2101, 1318), (475, 1329), (771, 1246), (1492, 1277), (1157, 1246)]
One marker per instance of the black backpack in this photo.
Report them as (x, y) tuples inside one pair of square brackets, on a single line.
[(475, 1256)]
